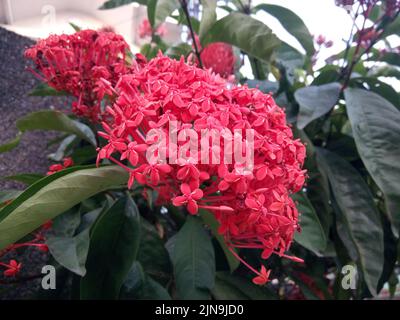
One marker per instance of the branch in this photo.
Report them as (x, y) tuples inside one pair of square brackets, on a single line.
[(186, 12)]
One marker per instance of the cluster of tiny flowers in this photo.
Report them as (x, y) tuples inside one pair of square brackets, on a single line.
[(220, 58), (13, 267), (67, 162), (253, 207), (145, 29), (82, 64)]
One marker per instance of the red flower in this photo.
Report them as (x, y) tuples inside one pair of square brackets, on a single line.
[(189, 198), (67, 162), (85, 64), (13, 268), (254, 209), (220, 58), (145, 29), (263, 276)]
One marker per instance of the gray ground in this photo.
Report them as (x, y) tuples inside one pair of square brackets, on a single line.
[(31, 155)]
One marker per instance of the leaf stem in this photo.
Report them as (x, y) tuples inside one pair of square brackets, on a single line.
[(192, 34)]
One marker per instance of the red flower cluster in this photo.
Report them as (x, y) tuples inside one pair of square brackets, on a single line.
[(13, 267), (145, 29), (220, 58), (67, 162), (81, 64), (252, 204)]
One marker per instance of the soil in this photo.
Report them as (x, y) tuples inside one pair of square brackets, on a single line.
[(31, 155)]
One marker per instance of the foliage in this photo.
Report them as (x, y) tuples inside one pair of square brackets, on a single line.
[(118, 243)]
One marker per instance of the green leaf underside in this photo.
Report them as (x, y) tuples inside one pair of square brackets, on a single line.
[(312, 235), (315, 101), (292, 23), (376, 130), (355, 201), (194, 261)]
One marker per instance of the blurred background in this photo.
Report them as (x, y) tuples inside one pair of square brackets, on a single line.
[(44, 17)]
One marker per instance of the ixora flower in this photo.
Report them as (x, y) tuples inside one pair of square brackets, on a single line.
[(81, 64), (12, 268), (67, 162), (220, 58), (250, 199), (145, 29)]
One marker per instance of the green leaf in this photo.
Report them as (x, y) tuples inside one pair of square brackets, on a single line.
[(152, 253), (355, 201), (379, 87), (391, 58), (8, 146), (113, 248), (159, 10), (375, 124), (53, 195), (231, 287), (27, 178), (57, 121), (65, 145), (312, 235), (182, 49), (391, 28), (290, 59), (44, 90), (138, 285), (210, 220), (66, 224), (70, 252), (111, 4), (315, 101), (209, 16), (384, 71), (194, 261), (292, 23), (75, 27), (264, 85), (253, 37)]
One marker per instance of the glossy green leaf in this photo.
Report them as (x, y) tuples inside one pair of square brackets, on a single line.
[(194, 261), (57, 121), (312, 235), (375, 124), (355, 201), (210, 220), (231, 287), (70, 252), (159, 10), (253, 37), (208, 18), (315, 101), (114, 245), (292, 23), (111, 4), (53, 195)]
